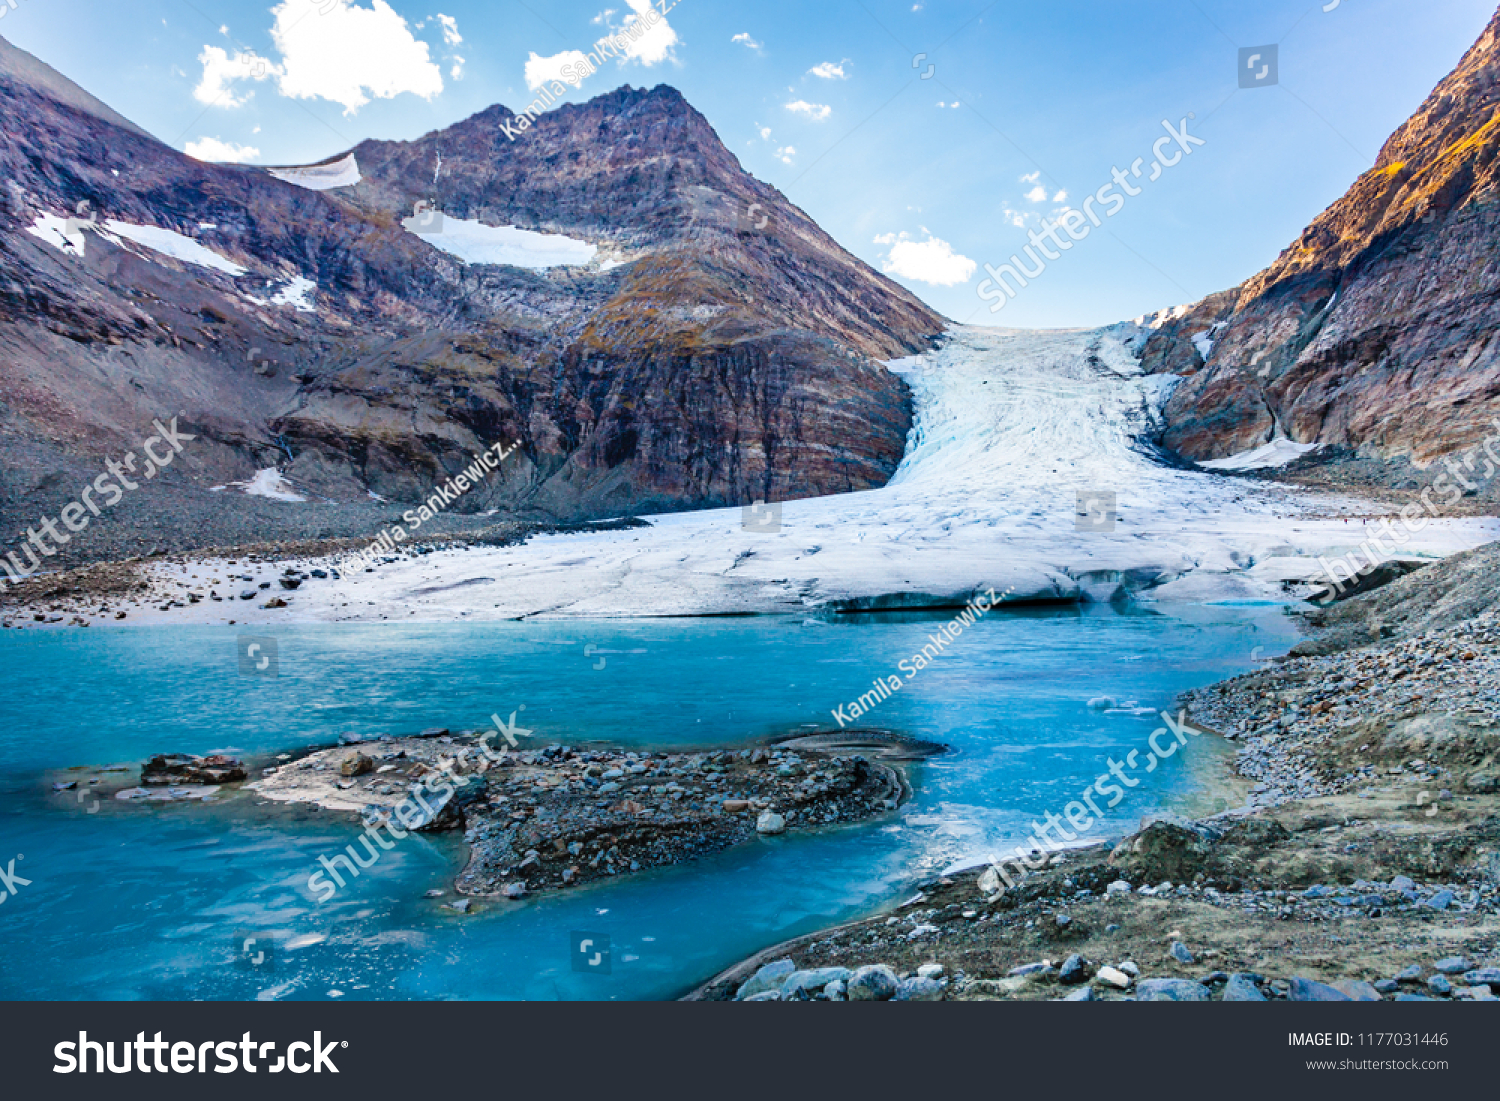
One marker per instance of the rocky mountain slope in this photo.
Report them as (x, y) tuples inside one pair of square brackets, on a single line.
[(718, 348), (1374, 332)]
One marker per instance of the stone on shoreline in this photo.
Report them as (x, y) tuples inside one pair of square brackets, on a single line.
[(920, 990), (1170, 990), (770, 822), (1309, 990), (181, 768), (807, 982), (1242, 988), (768, 978), (873, 983)]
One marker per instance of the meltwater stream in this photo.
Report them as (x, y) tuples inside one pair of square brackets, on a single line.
[(128, 901)]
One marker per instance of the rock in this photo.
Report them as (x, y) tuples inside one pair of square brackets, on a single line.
[(874, 983), (1170, 990), (1357, 991), (356, 764), (1063, 921), (434, 732), (463, 905), (1242, 988), (1075, 969), (1402, 884), (1131, 968), (514, 890), (930, 971), (1082, 994), (1482, 782), (1111, 977), (1387, 986), (1440, 901), (1163, 850), (920, 990), (1181, 954), (1454, 965), (179, 768), (274, 602), (249, 594), (1101, 703), (800, 982), (1410, 974), (763, 996), (768, 978), (1027, 970), (1308, 990), (1317, 890), (736, 806), (290, 582), (1483, 976), (1118, 887), (1440, 984), (770, 822), (834, 991), (1413, 998), (435, 893), (989, 882)]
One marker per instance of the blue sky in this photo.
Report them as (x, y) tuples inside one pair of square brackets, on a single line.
[(1026, 110)]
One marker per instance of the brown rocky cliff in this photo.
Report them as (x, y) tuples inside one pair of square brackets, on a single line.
[(1375, 330)]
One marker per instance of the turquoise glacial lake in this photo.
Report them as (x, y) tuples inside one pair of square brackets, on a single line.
[(134, 901)]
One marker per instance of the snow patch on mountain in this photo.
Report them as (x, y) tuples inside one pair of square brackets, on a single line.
[(321, 177), (476, 243)]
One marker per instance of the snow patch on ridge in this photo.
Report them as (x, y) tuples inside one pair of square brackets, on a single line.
[(476, 243), (1277, 452), (321, 177)]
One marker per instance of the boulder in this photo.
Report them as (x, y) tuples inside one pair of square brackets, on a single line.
[(1357, 991), (1075, 969), (356, 764), (770, 822), (1170, 990), (1483, 976), (180, 768), (809, 982), (1308, 990), (920, 990), (1242, 988), (768, 978), (874, 983)]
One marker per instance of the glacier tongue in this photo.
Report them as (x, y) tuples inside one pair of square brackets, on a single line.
[(1012, 427)]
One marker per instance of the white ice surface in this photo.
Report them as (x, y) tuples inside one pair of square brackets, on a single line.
[(266, 483), (321, 177), (1011, 426), (54, 230), (1277, 452), (476, 243), (170, 243)]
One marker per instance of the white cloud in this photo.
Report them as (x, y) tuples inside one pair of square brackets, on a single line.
[(544, 70), (220, 71), (602, 19), (786, 153), (451, 37), (346, 53), (746, 40), (226, 152), (931, 261), (815, 111), (1060, 197), (828, 70), (1037, 194), (457, 72), (654, 43), (1032, 177), (943, 104)]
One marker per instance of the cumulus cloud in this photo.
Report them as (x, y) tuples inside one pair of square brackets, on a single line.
[(225, 152), (746, 41), (220, 71), (1032, 177), (346, 53), (815, 111), (1037, 194), (656, 41), (941, 103), (930, 261), (544, 70), (1060, 197), (451, 37), (829, 70), (764, 131), (786, 153)]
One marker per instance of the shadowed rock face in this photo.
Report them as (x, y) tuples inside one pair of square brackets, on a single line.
[(1375, 331), (729, 352)]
